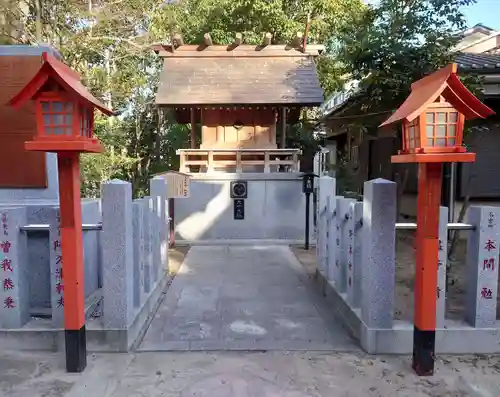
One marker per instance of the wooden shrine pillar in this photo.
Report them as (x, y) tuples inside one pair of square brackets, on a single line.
[(193, 128), (283, 128)]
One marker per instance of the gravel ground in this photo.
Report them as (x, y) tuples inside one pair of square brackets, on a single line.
[(405, 276)]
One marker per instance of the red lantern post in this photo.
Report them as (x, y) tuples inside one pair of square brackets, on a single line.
[(433, 122), (65, 124)]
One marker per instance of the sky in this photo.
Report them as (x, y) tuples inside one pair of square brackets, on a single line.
[(486, 12)]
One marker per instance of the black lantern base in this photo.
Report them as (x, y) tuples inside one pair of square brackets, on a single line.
[(76, 350), (423, 352)]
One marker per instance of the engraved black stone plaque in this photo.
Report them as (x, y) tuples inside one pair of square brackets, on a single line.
[(239, 209)]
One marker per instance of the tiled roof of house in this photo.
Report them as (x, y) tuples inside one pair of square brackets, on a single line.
[(482, 62)]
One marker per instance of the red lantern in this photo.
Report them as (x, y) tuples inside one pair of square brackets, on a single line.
[(65, 123), (438, 130), (433, 122), (64, 109), (433, 116)]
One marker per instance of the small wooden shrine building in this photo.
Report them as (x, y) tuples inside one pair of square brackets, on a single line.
[(239, 94)]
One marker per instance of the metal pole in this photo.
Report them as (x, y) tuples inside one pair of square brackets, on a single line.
[(308, 198), (451, 192)]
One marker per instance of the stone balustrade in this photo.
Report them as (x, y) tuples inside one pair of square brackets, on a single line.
[(356, 246), (125, 263)]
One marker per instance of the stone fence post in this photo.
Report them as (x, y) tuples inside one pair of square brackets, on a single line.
[(482, 266), (332, 238), (378, 267), (138, 266), (159, 190), (354, 224), (442, 261), (343, 205), (14, 268), (117, 254), (326, 188), (148, 243)]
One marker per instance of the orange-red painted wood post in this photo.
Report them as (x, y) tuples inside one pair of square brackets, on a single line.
[(424, 333), (72, 258)]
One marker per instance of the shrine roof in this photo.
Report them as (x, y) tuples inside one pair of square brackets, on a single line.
[(65, 76), (244, 75), (443, 82)]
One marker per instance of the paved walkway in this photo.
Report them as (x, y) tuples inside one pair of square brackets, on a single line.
[(243, 298)]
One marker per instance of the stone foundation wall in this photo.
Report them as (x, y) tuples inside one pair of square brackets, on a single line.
[(274, 209)]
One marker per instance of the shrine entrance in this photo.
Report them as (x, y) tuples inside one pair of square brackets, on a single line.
[(244, 298)]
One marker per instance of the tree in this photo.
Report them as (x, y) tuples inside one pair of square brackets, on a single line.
[(395, 43), (109, 43)]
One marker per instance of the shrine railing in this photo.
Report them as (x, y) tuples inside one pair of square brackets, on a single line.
[(239, 160), (359, 273)]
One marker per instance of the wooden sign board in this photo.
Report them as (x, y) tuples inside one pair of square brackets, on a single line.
[(177, 184)]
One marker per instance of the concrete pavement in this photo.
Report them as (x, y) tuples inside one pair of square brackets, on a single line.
[(251, 298), (243, 298), (245, 374)]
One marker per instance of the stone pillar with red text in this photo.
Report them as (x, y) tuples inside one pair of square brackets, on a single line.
[(482, 266), (56, 267), (13, 269)]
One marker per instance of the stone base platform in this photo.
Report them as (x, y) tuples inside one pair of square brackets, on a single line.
[(40, 334), (455, 338)]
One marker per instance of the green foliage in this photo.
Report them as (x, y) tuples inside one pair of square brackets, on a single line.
[(252, 18), (109, 43), (398, 42)]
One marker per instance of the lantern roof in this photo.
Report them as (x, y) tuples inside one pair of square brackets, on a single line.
[(70, 80), (443, 82)]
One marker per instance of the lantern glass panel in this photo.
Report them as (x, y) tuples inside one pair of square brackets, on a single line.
[(57, 118), (58, 130), (429, 131), (441, 131), (57, 107), (441, 127), (85, 122)]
